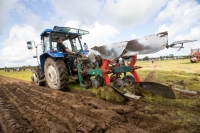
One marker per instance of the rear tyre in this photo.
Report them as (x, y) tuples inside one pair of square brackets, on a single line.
[(37, 77), (56, 74)]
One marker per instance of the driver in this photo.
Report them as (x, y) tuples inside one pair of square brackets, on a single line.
[(61, 47)]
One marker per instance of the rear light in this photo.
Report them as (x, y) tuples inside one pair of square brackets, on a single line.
[(86, 50)]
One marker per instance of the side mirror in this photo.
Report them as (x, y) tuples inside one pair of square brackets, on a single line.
[(29, 45)]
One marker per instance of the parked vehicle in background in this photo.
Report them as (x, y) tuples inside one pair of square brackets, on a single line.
[(195, 55)]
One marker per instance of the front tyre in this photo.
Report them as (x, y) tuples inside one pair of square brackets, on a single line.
[(37, 77), (56, 74)]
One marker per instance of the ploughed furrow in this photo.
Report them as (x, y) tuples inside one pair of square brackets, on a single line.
[(54, 96), (76, 121), (11, 120), (1, 131), (64, 99), (79, 113), (42, 121)]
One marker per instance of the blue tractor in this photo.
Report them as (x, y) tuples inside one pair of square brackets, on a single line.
[(55, 67)]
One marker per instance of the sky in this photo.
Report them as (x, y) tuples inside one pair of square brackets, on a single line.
[(108, 21)]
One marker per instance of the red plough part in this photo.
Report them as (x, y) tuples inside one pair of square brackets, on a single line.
[(110, 54), (107, 70), (133, 72)]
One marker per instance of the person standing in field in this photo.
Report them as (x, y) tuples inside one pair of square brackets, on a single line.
[(85, 46)]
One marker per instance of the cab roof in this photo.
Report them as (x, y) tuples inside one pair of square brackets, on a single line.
[(64, 31)]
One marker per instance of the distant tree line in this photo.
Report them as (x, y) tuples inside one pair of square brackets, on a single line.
[(167, 57), (20, 67)]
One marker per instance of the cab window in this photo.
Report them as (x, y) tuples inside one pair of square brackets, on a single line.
[(66, 43), (76, 44), (46, 44)]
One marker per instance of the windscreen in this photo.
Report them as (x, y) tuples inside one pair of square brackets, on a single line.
[(66, 43)]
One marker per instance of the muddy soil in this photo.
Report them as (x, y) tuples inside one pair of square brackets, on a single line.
[(28, 108)]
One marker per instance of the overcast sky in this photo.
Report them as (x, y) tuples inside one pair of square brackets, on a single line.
[(108, 21)]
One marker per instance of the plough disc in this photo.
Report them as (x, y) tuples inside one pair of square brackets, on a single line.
[(158, 89)]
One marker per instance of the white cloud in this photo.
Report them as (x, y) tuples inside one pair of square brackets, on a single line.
[(15, 52), (122, 13), (72, 24), (133, 36), (179, 16), (126, 12), (5, 8), (84, 11), (194, 34), (100, 34)]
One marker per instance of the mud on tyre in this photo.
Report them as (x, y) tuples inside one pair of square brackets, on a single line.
[(56, 73), (37, 77)]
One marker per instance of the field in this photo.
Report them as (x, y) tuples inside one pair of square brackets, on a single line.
[(25, 107)]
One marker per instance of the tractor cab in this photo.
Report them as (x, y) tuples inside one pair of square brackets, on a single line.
[(70, 37)]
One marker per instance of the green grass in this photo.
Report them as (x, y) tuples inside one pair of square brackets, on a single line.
[(191, 80), (172, 65), (23, 75), (172, 72)]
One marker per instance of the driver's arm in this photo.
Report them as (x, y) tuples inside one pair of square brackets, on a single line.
[(66, 49), (69, 51)]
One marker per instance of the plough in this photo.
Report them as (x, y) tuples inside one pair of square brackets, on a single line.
[(112, 68)]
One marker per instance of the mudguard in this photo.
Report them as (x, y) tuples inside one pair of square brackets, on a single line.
[(54, 54)]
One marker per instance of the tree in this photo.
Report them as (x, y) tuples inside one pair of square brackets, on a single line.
[(171, 56), (146, 58)]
